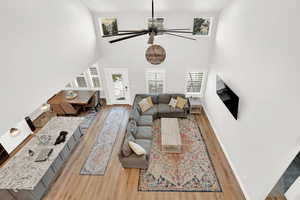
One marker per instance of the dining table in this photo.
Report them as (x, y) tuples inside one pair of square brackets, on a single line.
[(63, 105)]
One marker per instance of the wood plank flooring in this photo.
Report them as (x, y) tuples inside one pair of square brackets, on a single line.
[(119, 183), (276, 198)]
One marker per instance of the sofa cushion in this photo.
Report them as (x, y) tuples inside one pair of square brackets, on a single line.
[(164, 98), (138, 99), (177, 110), (144, 132), (152, 111), (132, 127), (146, 144), (136, 103), (135, 114), (145, 120), (126, 150), (154, 99), (164, 108)]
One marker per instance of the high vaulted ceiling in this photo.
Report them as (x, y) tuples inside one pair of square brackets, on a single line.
[(160, 5)]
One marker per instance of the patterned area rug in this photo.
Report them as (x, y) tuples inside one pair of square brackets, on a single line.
[(99, 157), (88, 120), (189, 171)]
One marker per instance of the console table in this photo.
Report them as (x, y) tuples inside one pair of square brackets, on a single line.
[(24, 179)]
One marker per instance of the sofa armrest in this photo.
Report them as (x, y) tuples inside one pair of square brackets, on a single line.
[(134, 161)]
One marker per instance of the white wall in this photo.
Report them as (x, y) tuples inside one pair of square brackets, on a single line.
[(257, 55), (43, 45), (182, 55), (293, 192)]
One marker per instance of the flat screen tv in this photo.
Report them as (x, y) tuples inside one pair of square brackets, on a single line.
[(229, 98)]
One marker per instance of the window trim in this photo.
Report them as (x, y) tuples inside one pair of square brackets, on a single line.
[(91, 76), (151, 70), (195, 94)]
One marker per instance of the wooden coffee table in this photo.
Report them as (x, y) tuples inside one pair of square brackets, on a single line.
[(170, 135)]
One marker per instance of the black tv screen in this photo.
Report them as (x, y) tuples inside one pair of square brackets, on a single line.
[(229, 98)]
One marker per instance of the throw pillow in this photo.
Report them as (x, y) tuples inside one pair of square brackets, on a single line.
[(137, 149), (149, 99), (144, 105), (132, 127), (173, 102), (181, 102), (126, 150)]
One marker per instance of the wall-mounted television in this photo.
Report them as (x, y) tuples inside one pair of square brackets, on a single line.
[(229, 98)]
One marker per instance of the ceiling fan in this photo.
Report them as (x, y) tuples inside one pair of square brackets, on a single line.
[(153, 30)]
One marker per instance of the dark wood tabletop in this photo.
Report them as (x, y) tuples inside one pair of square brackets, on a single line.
[(83, 97)]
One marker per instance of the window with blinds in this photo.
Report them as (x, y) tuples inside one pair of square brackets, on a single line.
[(93, 71), (155, 81), (89, 79), (194, 82), (81, 81), (95, 77)]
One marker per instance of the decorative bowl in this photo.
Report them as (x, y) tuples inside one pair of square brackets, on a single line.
[(71, 95)]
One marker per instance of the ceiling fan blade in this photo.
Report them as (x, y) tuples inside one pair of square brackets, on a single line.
[(176, 31), (151, 38), (128, 37), (129, 33), (152, 9), (189, 38)]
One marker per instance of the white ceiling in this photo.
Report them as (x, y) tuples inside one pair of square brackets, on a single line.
[(160, 5)]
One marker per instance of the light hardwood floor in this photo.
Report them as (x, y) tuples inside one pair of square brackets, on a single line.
[(119, 183)]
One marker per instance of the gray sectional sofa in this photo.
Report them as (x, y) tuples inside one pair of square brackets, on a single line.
[(161, 107), (139, 127)]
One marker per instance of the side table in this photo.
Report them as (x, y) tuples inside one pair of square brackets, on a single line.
[(195, 105)]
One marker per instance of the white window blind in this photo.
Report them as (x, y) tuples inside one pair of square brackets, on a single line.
[(155, 81), (93, 71), (194, 81), (94, 77), (81, 81)]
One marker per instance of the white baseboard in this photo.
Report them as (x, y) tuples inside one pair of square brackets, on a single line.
[(35, 114), (225, 152)]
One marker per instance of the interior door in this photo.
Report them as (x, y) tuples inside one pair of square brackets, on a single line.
[(118, 85)]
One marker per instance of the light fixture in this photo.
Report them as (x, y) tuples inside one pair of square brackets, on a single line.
[(14, 131)]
